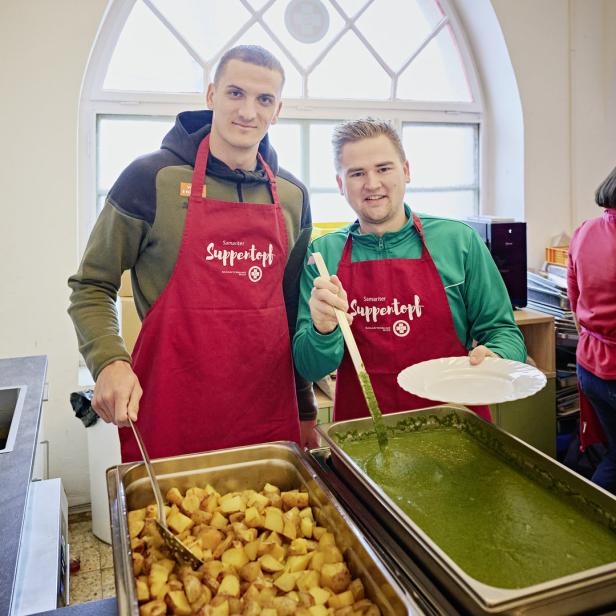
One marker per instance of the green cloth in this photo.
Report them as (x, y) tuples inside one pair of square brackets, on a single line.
[(475, 290)]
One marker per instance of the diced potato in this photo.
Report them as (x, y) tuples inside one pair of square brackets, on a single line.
[(251, 549), (284, 606), (193, 588), (294, 498), (317, 561), (251, 608), (320, 595), (268, 487), (138, 561), (290, 529), (223, 546), (318, 532), (190, 504), (318, 610), (143, 592), (219, 608), (253, 519), (157, 578), (308, 580), (286, 581), (232, 503), (306, 512), (177, 602), (153, 608), (230, 586), (178, 522), (277, 551), (251, 571), (357, 588), (306, 527), (273, 519), (235, 556), (298, 563), (136, 522), (326, 538), (269, 611), (331, 554), (344, 599), (270, 564), (259, 502), (201, 517), (218, 520), (211, 538), (174, 496), (298, 547), (336, 576)]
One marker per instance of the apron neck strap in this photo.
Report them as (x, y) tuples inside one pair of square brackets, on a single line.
[(198, 179), (348, 245)]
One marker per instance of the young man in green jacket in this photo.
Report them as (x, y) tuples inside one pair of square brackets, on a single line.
[(415, 287), (214, 233)]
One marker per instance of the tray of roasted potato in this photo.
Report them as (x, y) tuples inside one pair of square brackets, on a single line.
[(272, 538)]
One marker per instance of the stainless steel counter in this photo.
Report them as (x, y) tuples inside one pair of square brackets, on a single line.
[(16, 465)]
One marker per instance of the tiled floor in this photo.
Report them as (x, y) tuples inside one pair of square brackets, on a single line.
[(94, 580)]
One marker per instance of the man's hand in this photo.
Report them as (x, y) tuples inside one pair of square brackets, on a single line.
[(117, 393), (327, 295), (307, 434), (479, 353)]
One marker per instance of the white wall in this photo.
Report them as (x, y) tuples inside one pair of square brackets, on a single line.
[(564, 59), (44, 48)]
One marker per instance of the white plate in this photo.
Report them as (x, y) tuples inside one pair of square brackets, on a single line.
[(453, 379)]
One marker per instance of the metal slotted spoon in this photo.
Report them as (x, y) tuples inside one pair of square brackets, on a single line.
[(179, 551)]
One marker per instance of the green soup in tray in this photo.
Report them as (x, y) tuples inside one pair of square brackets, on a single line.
[(498, 524)]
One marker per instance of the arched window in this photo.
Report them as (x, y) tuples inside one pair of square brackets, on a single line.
[(403, 60)]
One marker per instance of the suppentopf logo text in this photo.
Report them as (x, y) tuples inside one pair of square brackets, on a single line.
[(230, 256), (372, 312), (233, 253)]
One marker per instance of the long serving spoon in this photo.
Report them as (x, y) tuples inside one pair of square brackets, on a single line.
[(179, 551), (360, 368)]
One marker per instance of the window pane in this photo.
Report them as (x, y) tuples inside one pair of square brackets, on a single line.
[(322, 170), (258, 36), (207, 26), (286, 140), (147, 57), (437, 73), (441, 155), (349, 71), (121, 140), (352, 7), (306, 22), (413, 23), (330, 207), (448, 204)]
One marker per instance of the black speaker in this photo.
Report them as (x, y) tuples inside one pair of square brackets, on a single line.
[(506, 241)]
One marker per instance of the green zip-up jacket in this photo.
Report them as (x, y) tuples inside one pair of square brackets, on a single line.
[(140, 228), (475, 290)]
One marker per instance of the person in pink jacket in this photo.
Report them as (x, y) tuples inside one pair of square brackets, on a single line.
[(591, 281)]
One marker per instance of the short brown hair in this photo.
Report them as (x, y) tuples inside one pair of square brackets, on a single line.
[(366, 128), (253, 54), (606, 193)]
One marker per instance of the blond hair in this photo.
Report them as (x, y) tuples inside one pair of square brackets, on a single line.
[(366, 128)]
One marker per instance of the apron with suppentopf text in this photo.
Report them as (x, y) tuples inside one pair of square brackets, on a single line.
[(401, 317), (214, 355)]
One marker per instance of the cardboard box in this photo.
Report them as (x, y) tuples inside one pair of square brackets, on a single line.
[(130, 323), (126, 290)]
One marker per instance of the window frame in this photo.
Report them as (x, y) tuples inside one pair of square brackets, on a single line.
[(97, 101)]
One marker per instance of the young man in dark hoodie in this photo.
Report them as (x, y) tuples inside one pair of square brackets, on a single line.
[(215, 234)]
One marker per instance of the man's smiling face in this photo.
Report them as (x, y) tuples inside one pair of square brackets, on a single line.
[(373, 179), (245, 101)]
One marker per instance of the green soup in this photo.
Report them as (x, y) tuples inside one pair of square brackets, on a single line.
[(498, 525)]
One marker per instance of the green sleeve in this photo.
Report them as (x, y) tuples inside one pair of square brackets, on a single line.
[(112, 248), (315, 354), (488, 306)]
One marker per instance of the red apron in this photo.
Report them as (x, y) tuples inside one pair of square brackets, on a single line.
[(401, 317), (214, 356)]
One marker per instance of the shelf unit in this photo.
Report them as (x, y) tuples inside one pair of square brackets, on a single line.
[(533, 419)]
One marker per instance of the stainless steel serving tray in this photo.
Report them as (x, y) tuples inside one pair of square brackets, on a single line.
[(573, 594), (282, 464)]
